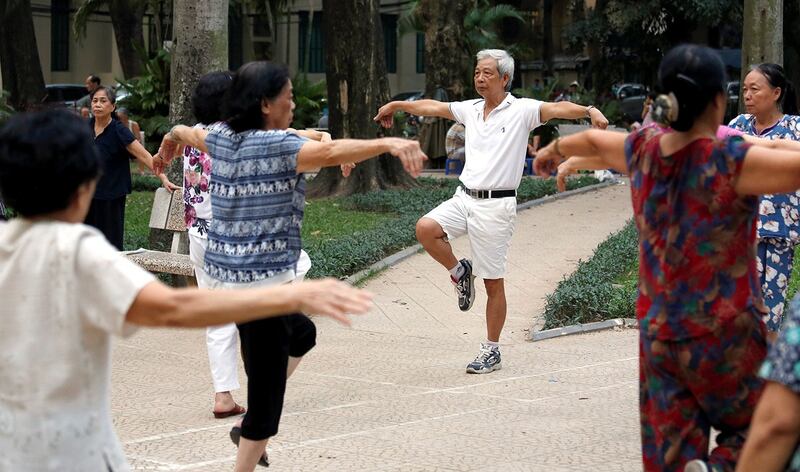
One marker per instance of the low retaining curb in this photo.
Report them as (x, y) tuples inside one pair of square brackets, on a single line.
[(404, 254), (583, 328)]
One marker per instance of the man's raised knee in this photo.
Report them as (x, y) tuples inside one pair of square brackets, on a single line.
[(427, 229)]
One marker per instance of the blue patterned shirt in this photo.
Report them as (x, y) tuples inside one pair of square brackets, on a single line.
[(778, 215), (257, 200)]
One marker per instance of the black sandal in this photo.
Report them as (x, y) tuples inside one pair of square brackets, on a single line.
[(236, 433)]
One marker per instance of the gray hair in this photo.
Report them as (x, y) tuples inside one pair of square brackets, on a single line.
[(505, 63)]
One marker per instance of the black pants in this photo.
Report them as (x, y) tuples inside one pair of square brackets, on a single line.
[(266, 346), (109, 217)]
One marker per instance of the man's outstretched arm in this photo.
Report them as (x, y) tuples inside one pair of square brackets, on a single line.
[(572, 111), (386, 113)]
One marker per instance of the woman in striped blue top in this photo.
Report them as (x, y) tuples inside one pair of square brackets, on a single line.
[(257, 197)]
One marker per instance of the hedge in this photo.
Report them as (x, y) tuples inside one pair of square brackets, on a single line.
[(601, 288), (346, 255)]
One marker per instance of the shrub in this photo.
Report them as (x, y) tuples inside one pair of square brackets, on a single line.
[(592, 293), (346, 255)]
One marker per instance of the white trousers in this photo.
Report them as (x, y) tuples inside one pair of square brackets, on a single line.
[(222, 341)]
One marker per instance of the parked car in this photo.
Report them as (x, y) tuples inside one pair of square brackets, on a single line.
[(408, 96), (64, 94), (631, 99), (732, 108)]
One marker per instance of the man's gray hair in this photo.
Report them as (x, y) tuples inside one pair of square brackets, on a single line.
[(505, 63)]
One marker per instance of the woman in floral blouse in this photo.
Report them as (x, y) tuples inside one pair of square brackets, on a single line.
[(771, 106), (695, 201)]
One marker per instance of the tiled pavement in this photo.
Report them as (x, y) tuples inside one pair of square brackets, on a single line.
[(391, 394)]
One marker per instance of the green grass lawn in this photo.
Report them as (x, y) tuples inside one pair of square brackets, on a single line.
[(327, 219), (343, 235)]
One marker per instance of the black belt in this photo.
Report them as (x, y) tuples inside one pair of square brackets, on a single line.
[(489, 193)]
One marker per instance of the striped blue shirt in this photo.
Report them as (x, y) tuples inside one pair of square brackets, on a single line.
[(257, 199)]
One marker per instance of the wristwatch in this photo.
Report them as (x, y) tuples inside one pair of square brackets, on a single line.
[(589, 111)]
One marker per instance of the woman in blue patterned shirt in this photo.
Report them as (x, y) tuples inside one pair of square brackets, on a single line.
[(771, 105), (257, 198)]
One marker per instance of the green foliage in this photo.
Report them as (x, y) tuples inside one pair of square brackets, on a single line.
[(148, 96), (347, 234), (601, 288), (6, 110), (348, 254), (149, 93), (143, 183), (85, 10), (309, 99), (482, 25), (137, 219), (794, 280)]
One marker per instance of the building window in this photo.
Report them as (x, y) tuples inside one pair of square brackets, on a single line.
[(389, 23), (420, 53), (59, 35), (316, 52)]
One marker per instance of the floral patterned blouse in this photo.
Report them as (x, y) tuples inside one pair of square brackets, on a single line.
[(196, 199), (697, 252), (778, 215)]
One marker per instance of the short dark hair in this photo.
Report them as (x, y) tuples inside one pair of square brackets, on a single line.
[(776, 77), (94, 79), (208, 95), (44, 157), (695, 75), (112, 97), (252, 83)]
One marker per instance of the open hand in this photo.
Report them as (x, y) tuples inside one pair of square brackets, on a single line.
[(410, 154), (332, 298), (347, 169), (547, 160), (599, 120), (565, 169), (168, 149), (167, 184), (385, 116)]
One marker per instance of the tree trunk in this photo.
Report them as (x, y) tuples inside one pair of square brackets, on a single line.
[(201, 46), (357, 87), (762, 36), (547, 39), (448, 61), (126, 18), (21, 69)]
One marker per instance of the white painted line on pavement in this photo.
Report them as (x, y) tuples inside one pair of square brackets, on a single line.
[(159, 437), (560, 395)]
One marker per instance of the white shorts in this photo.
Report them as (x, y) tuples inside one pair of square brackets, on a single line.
[(489, 223)]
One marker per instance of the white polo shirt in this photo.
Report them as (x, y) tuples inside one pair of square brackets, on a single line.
[(495, 147)]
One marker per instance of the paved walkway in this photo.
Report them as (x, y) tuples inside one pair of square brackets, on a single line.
[(391, 393)]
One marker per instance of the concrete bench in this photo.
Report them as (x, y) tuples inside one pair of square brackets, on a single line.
[(167, 214)]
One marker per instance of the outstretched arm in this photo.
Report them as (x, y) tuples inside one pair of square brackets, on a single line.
[(386, 113), (314, 155), (609, 146), (138, 151), (572, 111), (769, 170), (160, 305), (576, 163), (781, 144)]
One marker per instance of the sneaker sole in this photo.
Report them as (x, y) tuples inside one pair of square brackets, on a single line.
[(495, 367)]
